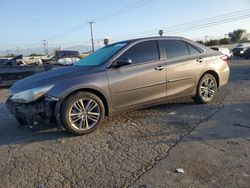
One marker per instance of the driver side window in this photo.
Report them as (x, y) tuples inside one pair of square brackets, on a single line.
[(143, 52)]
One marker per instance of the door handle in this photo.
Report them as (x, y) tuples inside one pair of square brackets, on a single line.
[(159, 68), (200, 60)]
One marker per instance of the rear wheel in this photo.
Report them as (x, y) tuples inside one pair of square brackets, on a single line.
[(82, 113), (206, 90)]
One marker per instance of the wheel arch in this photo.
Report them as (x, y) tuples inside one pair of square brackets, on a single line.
[(91, 90), (214, 73)]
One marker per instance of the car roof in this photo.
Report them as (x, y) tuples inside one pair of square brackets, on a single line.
[(149, 38), (204, 48)]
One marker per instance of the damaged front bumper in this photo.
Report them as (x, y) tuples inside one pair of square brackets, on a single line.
[(41, 111)]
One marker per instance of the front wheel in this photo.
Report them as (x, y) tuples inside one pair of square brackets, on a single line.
[(21, 121), (82, 113), (206, 89)]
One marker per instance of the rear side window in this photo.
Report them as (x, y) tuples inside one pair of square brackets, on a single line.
[(143, 52), (175, 48), (193, 50)]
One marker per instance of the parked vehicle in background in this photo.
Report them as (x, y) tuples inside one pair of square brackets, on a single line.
[(247, 53), (19, 67), (224, 51), (10, 75), (3, 61), (19, 60), (15, 61), (124, 75), (67, 57), (12, 70), (64, 57), (239, 50)]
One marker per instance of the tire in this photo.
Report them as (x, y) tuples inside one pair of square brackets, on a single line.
[(21, 121), (206, 90), (82, 113)]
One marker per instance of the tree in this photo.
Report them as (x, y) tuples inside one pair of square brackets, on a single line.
[(244, 39), (213, 42), (200, 41), (236, 35), (34, 54), (9, 55), (225, 41)]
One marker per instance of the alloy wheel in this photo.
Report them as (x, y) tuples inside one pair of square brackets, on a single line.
[(84, 114), (207, 88)]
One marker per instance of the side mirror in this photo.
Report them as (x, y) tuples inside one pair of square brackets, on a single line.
[(121, 62)]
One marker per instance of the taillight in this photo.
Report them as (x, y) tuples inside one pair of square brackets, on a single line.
[(224, 58)]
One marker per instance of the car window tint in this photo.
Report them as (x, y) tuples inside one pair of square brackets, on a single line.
[(193, 50), (142, 52), (101, 55), (175, 48)]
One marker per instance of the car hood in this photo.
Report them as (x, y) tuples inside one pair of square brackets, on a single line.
[(49, 78)]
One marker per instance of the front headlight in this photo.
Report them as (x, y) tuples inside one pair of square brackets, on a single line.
[(31, 94)]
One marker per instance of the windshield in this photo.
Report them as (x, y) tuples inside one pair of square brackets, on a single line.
[(100, 55)]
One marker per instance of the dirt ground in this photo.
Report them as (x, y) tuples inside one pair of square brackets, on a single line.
[(211, 143)]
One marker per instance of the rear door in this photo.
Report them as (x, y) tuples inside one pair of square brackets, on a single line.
[(140, 82), (185, 63)]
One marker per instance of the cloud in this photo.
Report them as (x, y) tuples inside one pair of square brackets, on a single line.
[(34, 17)]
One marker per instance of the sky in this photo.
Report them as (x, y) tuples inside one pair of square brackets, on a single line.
[(25, 23)]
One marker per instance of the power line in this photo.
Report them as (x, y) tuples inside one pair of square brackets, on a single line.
[(201, 26), (68, 32), (104, 17), (216, 20), (125, 9), (189, 23), (169, 32), (137, 5), (188, 26)]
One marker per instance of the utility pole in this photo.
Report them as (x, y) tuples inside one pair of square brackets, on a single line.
[(206, 37), (91, 32), (98, 42), (46, 48), (17, 50)]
